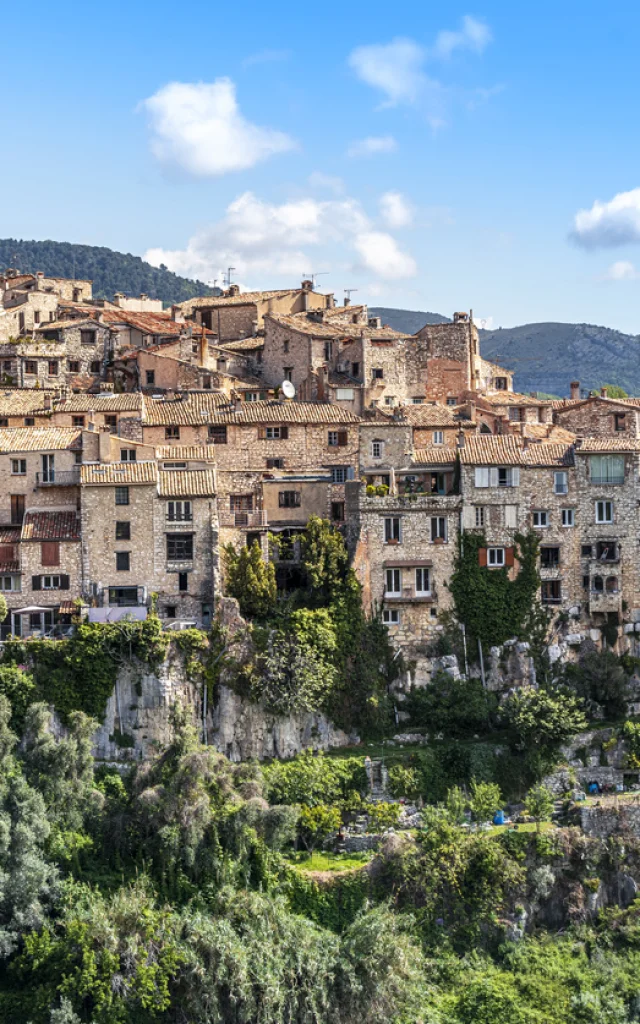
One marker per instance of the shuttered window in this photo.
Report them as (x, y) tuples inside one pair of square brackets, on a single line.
[(50, 553)]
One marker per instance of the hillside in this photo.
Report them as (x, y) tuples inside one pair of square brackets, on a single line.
[(547, 356), (110, 271)]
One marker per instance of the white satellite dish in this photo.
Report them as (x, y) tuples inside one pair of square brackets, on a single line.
[(288, 389)]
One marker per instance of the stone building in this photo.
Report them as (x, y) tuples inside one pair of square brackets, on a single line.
[(235, 314), (597, 415), (29, 300)]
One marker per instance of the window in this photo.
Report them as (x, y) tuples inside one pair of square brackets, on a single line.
[(206, 383), (51, 583), (497, 476), (172, 433), (217, 435), (77, 421), (128, 455), (540, 518), (597, 585), (77, 458), (48, 469), (568, 517), (73, 366), (389, 399), (174, 465), (111, 422), (586, 550), (123, 597), (377, 449), (17, 508), (288, 372), (289, 499), (179, 547), (515, 415), (9, 583), (560, 482), (95, 366), (417, 400), (36, 316), (495, 556), (275, 463), (18, 467), (355, 369), (123, 530), (29, 421), (607, 551), (611, 585), (339, 474), (549, 558), (619, 421), (377, 373), (221, 364), (183, 582), (50, 552), (438, 528), (394, 581), (606, 469), (6, 366), (479, 516), (550, 592), (150, 377), (20, 322), (122, 495), (452, 400), (500, 383), (179, 511), (4, 422), (392, 532), (170, 611), (285, 348), (423, 582), (87, 337), (585, 582), (241, 502), (123, 561), (604, 511), (327, 350), (30, 366), (391, 616), (276, 433), (438, 437), (337, 511), (53, 367)]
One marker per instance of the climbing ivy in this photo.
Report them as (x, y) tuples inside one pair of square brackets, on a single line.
[(493, 607)]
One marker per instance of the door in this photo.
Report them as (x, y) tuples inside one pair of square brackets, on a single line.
[(48, 469), (17, 508)]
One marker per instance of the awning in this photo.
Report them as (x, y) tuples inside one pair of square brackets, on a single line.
[(70, 608), (32, 609)]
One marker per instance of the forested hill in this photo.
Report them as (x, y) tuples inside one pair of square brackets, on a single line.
[(548, 356), (110, 271)]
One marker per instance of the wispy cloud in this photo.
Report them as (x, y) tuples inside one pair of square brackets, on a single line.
[(326, 183), (472, 35), (198, 127), (611, 224), (372, 145), (395, 210), (622, 270), (266, 57)]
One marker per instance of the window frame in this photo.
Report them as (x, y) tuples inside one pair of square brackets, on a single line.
[(395, 576), (604, 520), (122, 495), (496, 563), (123, 557), (392, 529), (568, 514), (177, 540), (422, 572)]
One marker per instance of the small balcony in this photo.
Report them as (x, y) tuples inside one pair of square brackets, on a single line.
[(410, 594), (59, 478), (244, 520)]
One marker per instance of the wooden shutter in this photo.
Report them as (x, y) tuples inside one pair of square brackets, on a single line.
[(482, 556), (36, 582), (508, 556), (284, 433), (64, 583), (262, 433), (515, 476), (494, 479), (482, 476), (50, 554), (342, 438), (7, 553), (468, 517)]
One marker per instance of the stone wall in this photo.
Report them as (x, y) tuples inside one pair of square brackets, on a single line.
[(611, 818)]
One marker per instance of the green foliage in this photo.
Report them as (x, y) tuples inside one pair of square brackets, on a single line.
[(539, 803), (600, 679), (486, 799), (110, 271), (615, 391), (542, 719), (325, 560), (456, 803), (296, 668), (493, 607), (404, 782), (251, 580), (318, 824), (631, 737), (17, 685), (382, 815), (312, 779), (457, 708)]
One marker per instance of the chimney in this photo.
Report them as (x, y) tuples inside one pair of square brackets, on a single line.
[(307, 286), (603, 392), (461, 439), (105, 445), (233, 289), (575, 389), (48, 404), (347, 300), (375, 322), (204, 348), (39, 277)]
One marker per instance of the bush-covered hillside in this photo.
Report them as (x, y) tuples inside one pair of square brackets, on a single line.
[(110, 271)]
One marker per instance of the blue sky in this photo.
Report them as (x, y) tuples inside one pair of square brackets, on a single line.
[(433, 156)]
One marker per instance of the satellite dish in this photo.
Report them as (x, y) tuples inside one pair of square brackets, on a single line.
[(288, 389)]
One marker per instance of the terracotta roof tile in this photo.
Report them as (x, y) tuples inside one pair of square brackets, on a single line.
[(9, 534), (204, 407), (24, 402), (431, 415), (512, 398), (621, 443), (510, 450), (118, 473), (437, 454), (185, 453), (196, 407), (35, 439), (243, 345), (104, 401), (212, 301), (63, 525), (9, 567), (188, 483), (302, 323)]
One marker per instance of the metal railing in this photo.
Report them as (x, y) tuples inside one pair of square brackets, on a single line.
[(58, 478), (244, 520)]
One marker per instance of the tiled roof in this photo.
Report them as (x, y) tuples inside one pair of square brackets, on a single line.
[(195, 408), (211, 301), (118, 473), (102, 402), (305, 325), (284, 412), (190, 483), (431, 415), (185, 453), (58, 325), (621, 443), (510, 450), (436, 454), (573, 403), (35, 439), (9, 534), (51, 526), (343, 380), (547, 432), (15, 282), (9, 567), (512, 398), (244, 345), (26, 402)]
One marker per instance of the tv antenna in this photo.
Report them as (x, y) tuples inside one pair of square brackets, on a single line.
[(312, 277), (229, 269), (348, 292)]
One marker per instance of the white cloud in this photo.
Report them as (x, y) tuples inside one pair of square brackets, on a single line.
[(380, 253), (395, 210), (472, 35), (622, 270), (265, 241), (326, 183), (199, 128), (372, 145), (607, 225), (394, 68)]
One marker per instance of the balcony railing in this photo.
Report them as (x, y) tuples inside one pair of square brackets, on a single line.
[(244, 520), (58, 478)]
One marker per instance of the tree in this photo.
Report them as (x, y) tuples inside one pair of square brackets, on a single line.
[(539, 803), (456, 802), (615, 391), (486, 800), (458, 708), (599, 678), (251, 580), (542, 718), (316, 825), (325, 560), (292, 677)]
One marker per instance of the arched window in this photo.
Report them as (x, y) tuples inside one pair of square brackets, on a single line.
[(612, 584), (598, 584)]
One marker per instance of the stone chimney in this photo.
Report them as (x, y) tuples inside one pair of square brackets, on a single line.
[(48, 403), (461, 439), (603, 392), (307, 286), (233, 289), (347, 300), (39, 277), (575, 389), (104, 449), (177, 315)]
